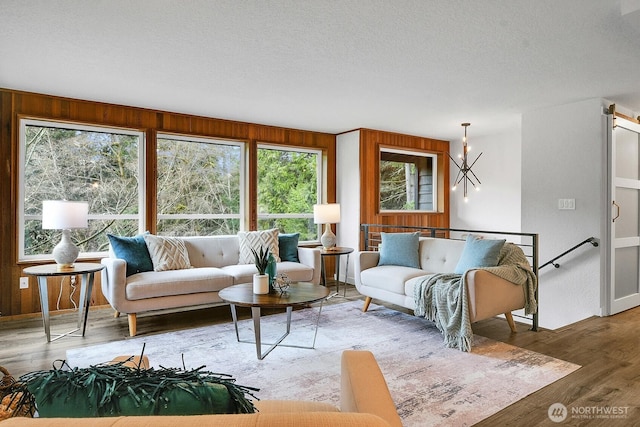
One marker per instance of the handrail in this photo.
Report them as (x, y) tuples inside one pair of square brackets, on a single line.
[(591, 240)]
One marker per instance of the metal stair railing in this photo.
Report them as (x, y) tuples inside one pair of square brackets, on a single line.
[(553, 262)]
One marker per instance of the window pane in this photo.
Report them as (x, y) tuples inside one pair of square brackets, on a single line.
[(305, 226), (198, 179), (287, 191), (79, 163), (197, 227), (406, 181)]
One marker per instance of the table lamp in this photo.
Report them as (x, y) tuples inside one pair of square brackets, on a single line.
[(64, 215), (327, 214)]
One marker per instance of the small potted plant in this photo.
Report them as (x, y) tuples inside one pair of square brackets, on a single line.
[(261, 279)]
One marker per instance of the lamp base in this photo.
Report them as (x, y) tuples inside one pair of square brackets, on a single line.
[(65, 253), (328, 239)]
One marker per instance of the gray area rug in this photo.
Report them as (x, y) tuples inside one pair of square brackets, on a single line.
[(430, 384)]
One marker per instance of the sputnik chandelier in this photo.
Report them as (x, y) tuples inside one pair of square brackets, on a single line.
[(465, 174)]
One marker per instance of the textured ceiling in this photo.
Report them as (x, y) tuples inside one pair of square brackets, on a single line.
[(419, 67)]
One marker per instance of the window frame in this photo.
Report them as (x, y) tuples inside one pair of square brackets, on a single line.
[(242, 145), (434, 175), (145, 162), (320, 183), (23, 122)]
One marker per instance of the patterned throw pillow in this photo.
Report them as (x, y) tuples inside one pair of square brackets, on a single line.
[(257, 240), (167, 253)]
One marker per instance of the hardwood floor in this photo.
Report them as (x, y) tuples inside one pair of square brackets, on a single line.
[(607, 348)]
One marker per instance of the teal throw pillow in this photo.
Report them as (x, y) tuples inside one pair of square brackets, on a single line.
[(479, 253), (288, 244), (134, 251), (400, 249)]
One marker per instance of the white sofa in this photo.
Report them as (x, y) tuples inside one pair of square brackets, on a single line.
[(215, 266), (488, 294)]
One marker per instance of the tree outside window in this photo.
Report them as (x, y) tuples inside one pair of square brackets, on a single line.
[(199, 186), (78, 163), (287, 190), (407, 180)]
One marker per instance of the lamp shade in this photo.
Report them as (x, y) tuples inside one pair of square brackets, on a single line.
[(326, 213), (64, 215)]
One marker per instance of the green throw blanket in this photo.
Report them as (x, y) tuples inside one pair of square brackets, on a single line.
[(442, 298)]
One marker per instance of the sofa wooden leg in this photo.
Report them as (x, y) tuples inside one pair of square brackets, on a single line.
[(132, 324), (116, 314), (367, 301), (510, 321)]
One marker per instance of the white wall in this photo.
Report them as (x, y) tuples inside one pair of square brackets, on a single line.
[(557, 152), (348, 195), (497, 205), (562, 157)]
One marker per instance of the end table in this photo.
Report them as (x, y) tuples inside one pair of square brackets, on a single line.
[(87, 272), (336, 252)]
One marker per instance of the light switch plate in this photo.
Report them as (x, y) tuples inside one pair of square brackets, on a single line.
[(567, 204), (24, 283)]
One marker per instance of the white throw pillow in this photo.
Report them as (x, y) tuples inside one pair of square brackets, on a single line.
[(167, 253), (256, 240)]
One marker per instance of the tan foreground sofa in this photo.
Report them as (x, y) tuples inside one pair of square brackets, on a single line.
[(488, 295), (215, 266), (364, 401)]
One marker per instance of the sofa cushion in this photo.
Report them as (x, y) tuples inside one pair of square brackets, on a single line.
[(153, 284), (400, 249), (167, 253), (479, 252), (255, 240), (134, 251), (288, 246), (440, 255), (243, 273), (212, 251), (389, 277), (410, 284)]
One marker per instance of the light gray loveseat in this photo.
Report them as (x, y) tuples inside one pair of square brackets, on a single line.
[(215, 266), (488, 294)]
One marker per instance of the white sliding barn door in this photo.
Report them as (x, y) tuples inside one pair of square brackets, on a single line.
[(623, 290)]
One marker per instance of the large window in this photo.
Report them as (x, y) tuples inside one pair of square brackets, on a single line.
[(407, 180), (288, 187), (78, 163), (200, 186)]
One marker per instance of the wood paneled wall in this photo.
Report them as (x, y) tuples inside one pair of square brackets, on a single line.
[(370, 143), (16, 104)]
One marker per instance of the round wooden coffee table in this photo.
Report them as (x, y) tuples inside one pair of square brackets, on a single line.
[(298, 294)]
